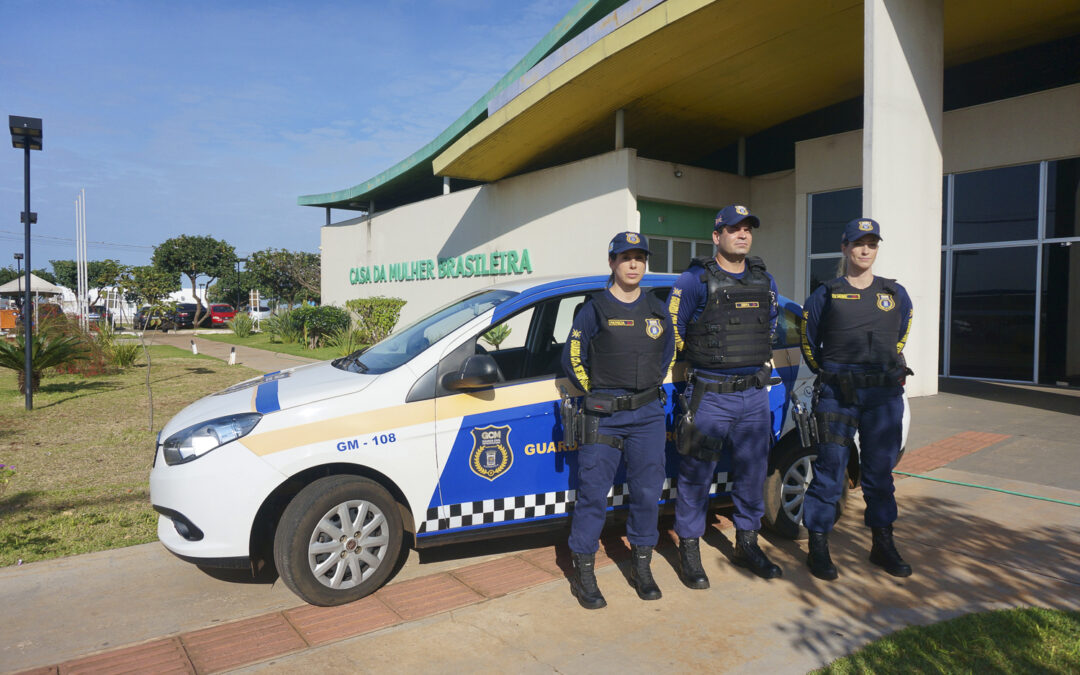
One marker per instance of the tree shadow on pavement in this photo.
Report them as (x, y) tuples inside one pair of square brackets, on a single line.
[(962, 563)]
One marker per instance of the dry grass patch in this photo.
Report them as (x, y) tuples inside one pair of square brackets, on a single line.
[(82, 457)]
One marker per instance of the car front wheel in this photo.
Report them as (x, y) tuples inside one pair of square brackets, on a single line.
[(338, 540), (785, 490)]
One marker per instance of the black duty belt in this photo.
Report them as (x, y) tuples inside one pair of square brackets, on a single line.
[(605, 404), (861, 379)]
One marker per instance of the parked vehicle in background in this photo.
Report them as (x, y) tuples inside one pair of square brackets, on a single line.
[(99, 314), (143, 319), (219, 315), (261, 312), (181, 317)]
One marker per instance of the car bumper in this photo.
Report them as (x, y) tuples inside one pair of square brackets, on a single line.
[(207, 506)]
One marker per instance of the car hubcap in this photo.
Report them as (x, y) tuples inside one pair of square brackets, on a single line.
[(348, 544), (793, 491)]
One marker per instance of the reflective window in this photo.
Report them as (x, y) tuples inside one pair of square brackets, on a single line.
[(822, 270), (829, 212), (658, 259), (1059, 330), (996, 205), (993, 313), (681, 253), (1063, 198)]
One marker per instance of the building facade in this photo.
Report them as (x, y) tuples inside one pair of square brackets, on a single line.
[(962, 140)]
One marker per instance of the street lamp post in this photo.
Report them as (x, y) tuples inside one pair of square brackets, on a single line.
[(26, 134), (18, 264), (238, 261)]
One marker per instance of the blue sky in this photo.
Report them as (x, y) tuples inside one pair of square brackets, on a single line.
[(213, 117)]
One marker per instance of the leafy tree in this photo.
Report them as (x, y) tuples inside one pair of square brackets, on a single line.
[(306, 270), (273, 272), (227, 290), (102, 273), (66, 273), (149, 285), (194, 257), (7, 274)]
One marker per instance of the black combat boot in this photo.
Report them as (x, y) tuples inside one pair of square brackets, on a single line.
[(748, 554), (583, 581), (884, 554), (690, 570), (819, 561), (641, 575)]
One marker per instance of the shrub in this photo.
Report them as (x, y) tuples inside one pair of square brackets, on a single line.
[(46, 351), (285, 327), (123, 354), (347, 340), (319, 322), (95, 360), (242, 325), (375, 317)]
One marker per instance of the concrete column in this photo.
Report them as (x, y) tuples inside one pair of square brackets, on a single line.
[(620, 129), (446, 185), (903, 70)]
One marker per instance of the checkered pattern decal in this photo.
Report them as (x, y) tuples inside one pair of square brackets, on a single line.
[(525, 507)]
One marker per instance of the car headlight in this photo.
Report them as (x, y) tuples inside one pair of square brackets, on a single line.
[(199, 439)]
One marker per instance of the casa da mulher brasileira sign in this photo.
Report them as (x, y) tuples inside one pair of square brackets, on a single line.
[(495, 263)]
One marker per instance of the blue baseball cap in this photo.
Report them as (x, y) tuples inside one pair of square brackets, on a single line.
[(860, 227), (733, 215), (627, 241)]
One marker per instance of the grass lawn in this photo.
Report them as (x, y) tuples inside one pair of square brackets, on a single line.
[(82, 456), (1031, 640), (262, 341)]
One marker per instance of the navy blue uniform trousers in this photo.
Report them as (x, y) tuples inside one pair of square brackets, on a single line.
[(742, 420), (879, 413), (644, 434)]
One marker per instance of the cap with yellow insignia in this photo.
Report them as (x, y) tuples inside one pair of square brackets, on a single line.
[(860, 227), (627, 241), (733, 215)]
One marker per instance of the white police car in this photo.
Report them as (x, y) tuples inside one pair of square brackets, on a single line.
[(447, 431)]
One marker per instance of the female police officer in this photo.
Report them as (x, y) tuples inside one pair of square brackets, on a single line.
[(854, 333), (620, 349)]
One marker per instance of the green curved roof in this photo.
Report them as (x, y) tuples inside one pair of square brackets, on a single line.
[(412, 178)]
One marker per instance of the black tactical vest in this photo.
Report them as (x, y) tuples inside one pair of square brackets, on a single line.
[(628, 352), (861, 326), (733, 329)]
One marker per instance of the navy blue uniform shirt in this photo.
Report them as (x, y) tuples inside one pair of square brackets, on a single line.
[(575, 356), (687, 302), (813, 312)]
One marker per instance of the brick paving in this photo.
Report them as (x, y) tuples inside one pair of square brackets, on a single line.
[(940, 453), (264, 637)]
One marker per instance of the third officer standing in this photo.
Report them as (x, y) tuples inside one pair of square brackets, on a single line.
[(724, 311)]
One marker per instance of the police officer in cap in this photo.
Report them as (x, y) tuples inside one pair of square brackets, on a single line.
[(724, 312), (854, 333), (619, 351)]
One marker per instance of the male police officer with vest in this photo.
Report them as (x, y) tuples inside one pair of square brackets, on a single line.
[(724, 313)]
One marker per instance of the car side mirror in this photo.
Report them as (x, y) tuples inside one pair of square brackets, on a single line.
[(478, 371)]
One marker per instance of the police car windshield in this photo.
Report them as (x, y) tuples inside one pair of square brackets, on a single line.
[(410, 341)]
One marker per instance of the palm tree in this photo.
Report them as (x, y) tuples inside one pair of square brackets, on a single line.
[(45, 352)]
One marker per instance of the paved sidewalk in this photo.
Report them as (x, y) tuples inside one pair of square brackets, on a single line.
[(260, 359), (505, 606)]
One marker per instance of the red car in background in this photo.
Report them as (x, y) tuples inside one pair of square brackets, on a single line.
[(219, 315)]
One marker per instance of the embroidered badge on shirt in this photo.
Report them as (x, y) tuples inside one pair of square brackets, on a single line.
[(653, 328), (845, 296), (620, 322), (885, 302)]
